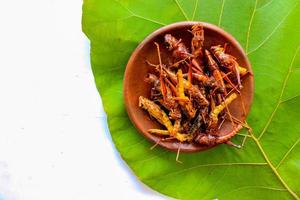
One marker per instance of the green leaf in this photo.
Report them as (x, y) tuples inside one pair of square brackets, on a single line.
[(268, 166)]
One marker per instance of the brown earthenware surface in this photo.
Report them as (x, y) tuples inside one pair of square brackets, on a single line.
[(137, 70)]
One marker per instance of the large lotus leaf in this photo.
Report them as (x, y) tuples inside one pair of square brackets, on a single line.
[(268, 166)]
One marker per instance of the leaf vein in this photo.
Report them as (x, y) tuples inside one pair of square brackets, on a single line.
[(281, 94), (221, 12), (210, 165), (274, 30), (208, 174), (254, 187), (136, 143), (152, 157), (181, 9), (274, 169), (296, 68), (147, 19), (289, 99), (249, 27), (194, 12), (138, 16), (267, 4), (287, 153), (216, 183)]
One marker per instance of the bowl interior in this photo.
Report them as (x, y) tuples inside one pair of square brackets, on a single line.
[(137, 70)]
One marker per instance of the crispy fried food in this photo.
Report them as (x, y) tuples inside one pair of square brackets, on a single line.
[(190, 96)]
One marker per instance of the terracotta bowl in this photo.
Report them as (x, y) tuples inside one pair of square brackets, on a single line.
[(137, 70)]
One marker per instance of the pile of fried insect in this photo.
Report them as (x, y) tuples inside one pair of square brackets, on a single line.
[(190, 97)]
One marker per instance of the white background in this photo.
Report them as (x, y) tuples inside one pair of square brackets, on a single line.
[(54, 141)]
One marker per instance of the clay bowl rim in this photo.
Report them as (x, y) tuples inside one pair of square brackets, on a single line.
[(177, 25)]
